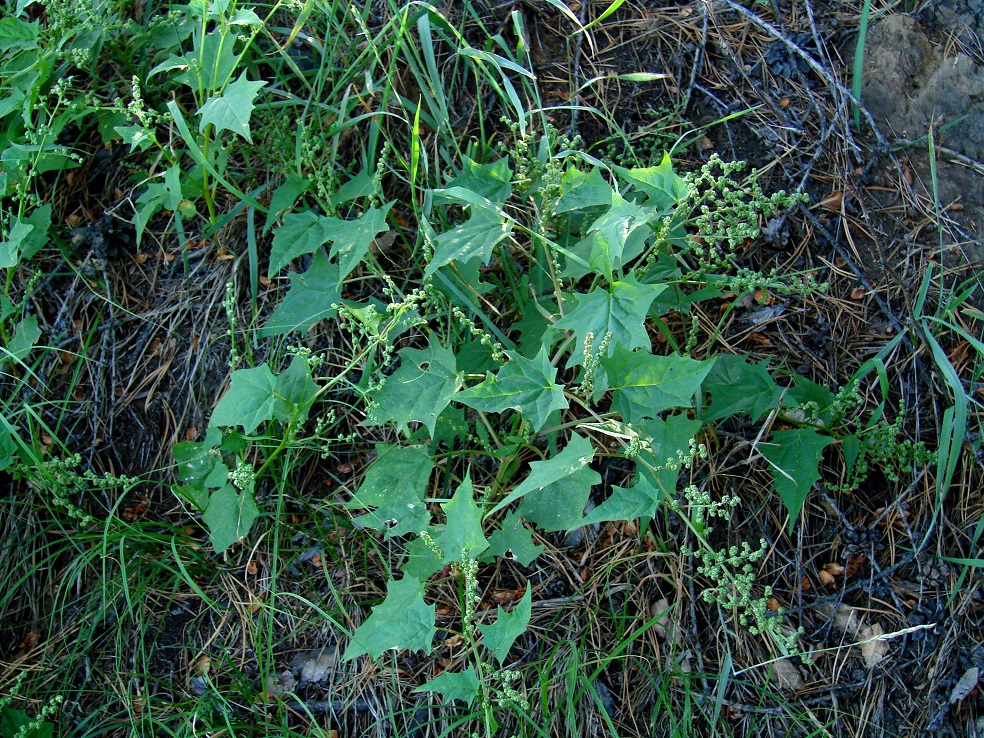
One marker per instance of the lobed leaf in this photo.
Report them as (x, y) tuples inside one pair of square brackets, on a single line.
[(419, 390), (508, 626), (526, 385), (402, 621), (644, 385), (619, 311), (231, 110), (795, 456)]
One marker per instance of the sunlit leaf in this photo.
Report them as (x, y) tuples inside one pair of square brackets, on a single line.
[(619, 311), (231, 110), (249, 400), (472, 240), (308, 301)]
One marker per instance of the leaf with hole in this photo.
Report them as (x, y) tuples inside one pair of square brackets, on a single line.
[(525, 385), (419, 390), (500, 636), (402, 621), (398, 513), (514, 538), (394, 467), (794, 456)]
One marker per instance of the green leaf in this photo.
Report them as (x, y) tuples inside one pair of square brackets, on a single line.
[(618, 236), (795, 456), (18, 35), (362, 184), (13, 721), (229, 516), (559, 487), (198, 465), (402, 621), (642, 499), (560, 505), (513, 537), (231, 110), (284, 197), (454, 685), (210, 64), (295, 390), (309, 300), (421, 561), (462, 536), (166, 194), (394, 466), (645, 385), (419, 390), (526, 385), (807, 392), (491, 181), (301, 233), (736, 386), (249, 400), (661, 185), (473, 239), (508, 626), (581, 191), (620, 311), (10, 250), (667, 438), (398, 514), (352, 238), (8, 448), (40, 218), (25, 338)]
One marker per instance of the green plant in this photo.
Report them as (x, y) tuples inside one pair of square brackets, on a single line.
[(580, 258)]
